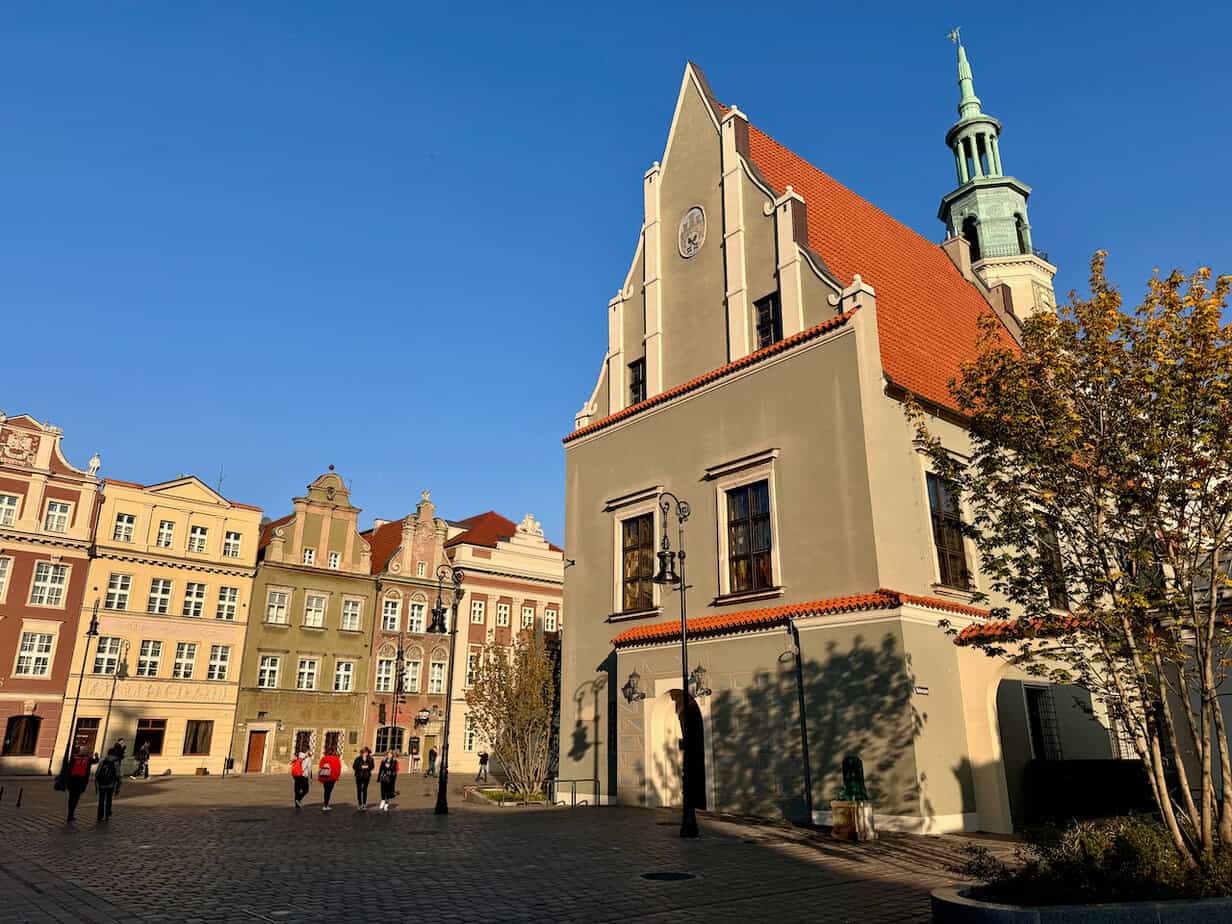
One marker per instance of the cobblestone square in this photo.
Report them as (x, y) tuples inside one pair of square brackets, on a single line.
[(235, 850)]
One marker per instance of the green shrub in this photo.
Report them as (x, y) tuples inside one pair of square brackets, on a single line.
[(1112, 860)]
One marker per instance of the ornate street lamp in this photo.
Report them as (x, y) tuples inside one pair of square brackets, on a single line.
[(668, 576), (630, 690), (456, 575), (91, 632)]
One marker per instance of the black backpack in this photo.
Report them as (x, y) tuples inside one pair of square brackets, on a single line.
[(105, 775)]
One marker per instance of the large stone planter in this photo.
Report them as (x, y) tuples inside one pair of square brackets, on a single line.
[(951, 906)]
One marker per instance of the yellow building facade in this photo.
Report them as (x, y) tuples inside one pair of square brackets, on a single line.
[(170, 582)]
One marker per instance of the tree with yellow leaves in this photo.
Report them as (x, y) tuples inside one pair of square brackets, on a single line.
[(1100, 490)]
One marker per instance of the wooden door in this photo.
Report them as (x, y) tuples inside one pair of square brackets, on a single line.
[(86, 736), (255, 761)]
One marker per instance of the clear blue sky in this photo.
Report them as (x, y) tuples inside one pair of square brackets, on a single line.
[(268, 237)]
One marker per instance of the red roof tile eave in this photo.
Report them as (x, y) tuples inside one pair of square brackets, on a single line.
[(771, 617), (715, 374)]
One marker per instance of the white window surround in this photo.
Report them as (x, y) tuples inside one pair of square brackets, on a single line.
[(277, 605), (119, 587), (416, 614), (626, 508), (267, 672), (194, 599), (414, 666), (159, 601), (528, 617), (735, 474), (479, 611), (9, 504), (503, 611), (6, 568), (391, 613), (48, 586), (228, 603), (310, 556), (231, 542), (421, 568), (344, 676), (550, 623), (59, 514), (166, 534), (197, 538), (315, 605), (969, 548), (125, 525), (436, 677), (220, 658), (185, 660), (306, 674), (34, 651), (334, 560), (384, 682), (352, 614)]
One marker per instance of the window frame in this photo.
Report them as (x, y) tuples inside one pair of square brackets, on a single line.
[(232, 543), (285, 606), (64, 570), (178, 659), (504, 614), (152, 727), (383, 679), (309, 557), (198, 539), (555, 619), (149, 663), (6, 569), (637, 381), (10, 513), (67, 514), (941, 571), (311, 595), (195, 725), (104, 657), (119, 591), (410, 677), (226, 608), (774, 304), (334, 561), (170, 531), (396, 599), (358, 603), (433, 664), (479, 608), (194, 601), (124, 529), (159, 598), (269, 671), (220, 656), (301, 673), (626, 508), (37, 631), (730, 476), (339, 664)]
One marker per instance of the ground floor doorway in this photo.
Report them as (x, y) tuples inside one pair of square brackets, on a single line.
[(254, 762)]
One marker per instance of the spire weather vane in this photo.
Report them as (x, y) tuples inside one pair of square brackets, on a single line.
[(955, 35)]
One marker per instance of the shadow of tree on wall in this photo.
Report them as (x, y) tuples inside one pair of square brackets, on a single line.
[(858, 701)]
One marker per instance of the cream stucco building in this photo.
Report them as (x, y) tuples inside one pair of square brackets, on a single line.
[(170, 580), (761, 346)]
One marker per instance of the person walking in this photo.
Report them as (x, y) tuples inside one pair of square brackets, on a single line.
[(75, 777), (118, 749), (143, 761), (431, 762), (301, 772), (482, 775), (387, 776), (328, 772), (363, 768), (107, 783)]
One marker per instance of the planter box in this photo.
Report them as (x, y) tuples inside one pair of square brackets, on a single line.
[(952, 906), (852, 821)]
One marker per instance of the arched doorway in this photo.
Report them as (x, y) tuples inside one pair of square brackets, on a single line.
[(694, 753), (668, 739)]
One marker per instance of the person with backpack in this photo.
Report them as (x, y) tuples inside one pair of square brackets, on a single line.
[(362, 768), (328, 771), (107, 783), (75, 777), (301, 771), (387, 776)]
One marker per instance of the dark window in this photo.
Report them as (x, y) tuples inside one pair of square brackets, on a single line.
[(1042, 721), (151, 732), (638, 559), (388, 738), (333, 743), (303, 742), (1020, 228), (198, 734), (87, 734), (748, 537), (970, 230), (21, 735), (1053, 569), (637, 381), (769, 320), (947, 533)]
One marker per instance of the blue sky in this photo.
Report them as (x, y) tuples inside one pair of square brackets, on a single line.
[(263, 238)]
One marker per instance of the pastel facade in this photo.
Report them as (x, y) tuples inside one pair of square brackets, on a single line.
[(514, 584), (761, 346), (47, 510), (304, 680), (405, 707), (171, 578)]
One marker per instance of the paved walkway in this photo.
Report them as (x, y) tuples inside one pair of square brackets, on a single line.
[(233, 850)]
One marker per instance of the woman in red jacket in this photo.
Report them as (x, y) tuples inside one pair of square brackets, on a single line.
[(328, 771)]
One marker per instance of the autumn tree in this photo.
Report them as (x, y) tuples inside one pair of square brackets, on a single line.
[(1099, 491), (511, 700)]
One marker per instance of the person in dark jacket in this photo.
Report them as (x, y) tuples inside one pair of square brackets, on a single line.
[(431, 762), (482, 775), (362, 768), (143, 761), (75, 777), (387, 776), (107, 783)]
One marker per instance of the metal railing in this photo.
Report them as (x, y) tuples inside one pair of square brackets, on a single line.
[(553, 788), (1010, 250)]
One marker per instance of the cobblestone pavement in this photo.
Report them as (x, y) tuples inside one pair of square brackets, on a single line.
[(233, 850)]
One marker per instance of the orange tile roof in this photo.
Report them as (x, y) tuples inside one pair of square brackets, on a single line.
[(267, 529), (769, 617), (1012, 630), (486, 529), (694, 384), (384, 541), (926, 310)]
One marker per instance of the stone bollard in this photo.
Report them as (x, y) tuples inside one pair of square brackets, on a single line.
[(21, 790)]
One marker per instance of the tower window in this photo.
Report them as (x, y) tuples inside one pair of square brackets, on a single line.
[(637, 381), (970, 230), (1021, 229), (769, 320)]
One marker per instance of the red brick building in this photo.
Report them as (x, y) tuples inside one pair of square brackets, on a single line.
[(47, 511)]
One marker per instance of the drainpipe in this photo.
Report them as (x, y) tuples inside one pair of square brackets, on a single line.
[(804, 745)]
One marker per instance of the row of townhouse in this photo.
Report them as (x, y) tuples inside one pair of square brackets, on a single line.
[(170, 616)]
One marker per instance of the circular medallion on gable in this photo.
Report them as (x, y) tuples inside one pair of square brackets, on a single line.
[(692, 233)]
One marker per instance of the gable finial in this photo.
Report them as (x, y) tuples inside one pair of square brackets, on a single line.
[(955, 35)]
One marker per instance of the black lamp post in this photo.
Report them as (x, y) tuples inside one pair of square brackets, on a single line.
[(91, 632), (668, 576), (456, 575)]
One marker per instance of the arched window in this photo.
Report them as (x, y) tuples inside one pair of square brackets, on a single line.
[(21, 735), (970, 230), (1020, 227), (388, 738)]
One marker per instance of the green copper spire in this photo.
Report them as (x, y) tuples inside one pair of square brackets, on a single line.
[(968, 103)]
